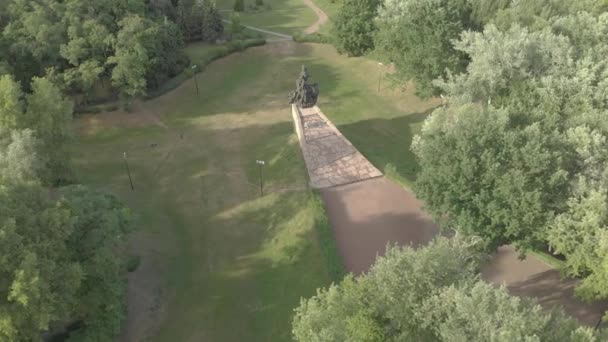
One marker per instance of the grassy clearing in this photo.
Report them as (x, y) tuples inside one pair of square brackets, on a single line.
[(283, 16), (234, 265), (548, 259)]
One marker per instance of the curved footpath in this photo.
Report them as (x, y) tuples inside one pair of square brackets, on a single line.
[(369, 213), (321, 17)]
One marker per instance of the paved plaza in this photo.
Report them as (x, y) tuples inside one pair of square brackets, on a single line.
[(330, 158)]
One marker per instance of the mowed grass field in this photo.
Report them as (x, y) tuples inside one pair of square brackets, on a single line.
[(219, 262), (283, 16)]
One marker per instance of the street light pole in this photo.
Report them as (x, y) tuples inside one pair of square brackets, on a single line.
[(195, 78), (261, 163), (124, 155), (380, 75)]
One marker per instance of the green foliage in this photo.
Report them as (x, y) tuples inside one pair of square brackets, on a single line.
[(480, 312), (166, 57), (464, 154), (239, 6), (39, 277), (11, 106), (49, 114), (62, 260), (20, 159), (98, 243), (236, 27), (131, 59), (416, 35), (312, 38), (520, 153), (429, 294), (538, 14), (354, 27), (382, 305), (84, 42), (259, 3), (200, 20)]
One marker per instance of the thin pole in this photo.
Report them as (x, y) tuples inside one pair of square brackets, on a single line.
[(194, 67), (196, 83), (128, 170), (379, 75), (261, 180)]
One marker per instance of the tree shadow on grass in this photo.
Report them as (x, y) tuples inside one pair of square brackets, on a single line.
[(387, 142)]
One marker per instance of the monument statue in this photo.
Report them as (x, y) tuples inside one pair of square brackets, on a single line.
[(305, 94)]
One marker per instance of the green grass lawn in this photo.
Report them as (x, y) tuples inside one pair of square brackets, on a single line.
[(234, 265), (283, 16)]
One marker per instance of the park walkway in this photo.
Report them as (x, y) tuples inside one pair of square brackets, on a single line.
[(330, 158), (367, 213)]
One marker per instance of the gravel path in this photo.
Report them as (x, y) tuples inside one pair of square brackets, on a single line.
[(368, 215)]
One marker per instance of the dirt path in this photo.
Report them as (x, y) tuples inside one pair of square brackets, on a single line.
[(533, 278), (368, 215), (321, 17)]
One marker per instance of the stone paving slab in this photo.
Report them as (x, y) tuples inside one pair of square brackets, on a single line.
[(330, 158)]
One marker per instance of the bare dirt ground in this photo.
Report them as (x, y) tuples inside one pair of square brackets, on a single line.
[(368, 215), (533, 278), (321, 17)]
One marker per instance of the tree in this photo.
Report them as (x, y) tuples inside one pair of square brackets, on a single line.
[(212, 25), (131, 58), (492, 178), (20, 160), (354, 27), (519, 155), (480, 312), (39, 278), (417, 36), (49, 114), (239, 6), (164, 47), (429, 294), (98, 243), (11, 106)]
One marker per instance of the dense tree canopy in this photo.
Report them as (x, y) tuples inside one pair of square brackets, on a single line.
[(354, 27), (430, 294), (416, 35), (135, 43), (519, 154)]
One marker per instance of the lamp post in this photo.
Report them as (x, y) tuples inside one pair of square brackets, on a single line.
[(380, 64), (194, 67), (124, 156), (261, 163)]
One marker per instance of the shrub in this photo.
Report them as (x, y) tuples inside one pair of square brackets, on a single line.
[(239, 5)]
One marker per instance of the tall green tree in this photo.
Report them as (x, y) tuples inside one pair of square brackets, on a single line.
[(20, 159), (354, 27), (429, 294), (518, 156), (131, 59), (98, 244), (49, 114), (39, 279), (11, 105), (416, 35)]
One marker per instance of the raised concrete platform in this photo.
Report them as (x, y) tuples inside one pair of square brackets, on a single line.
[(330, 158)]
